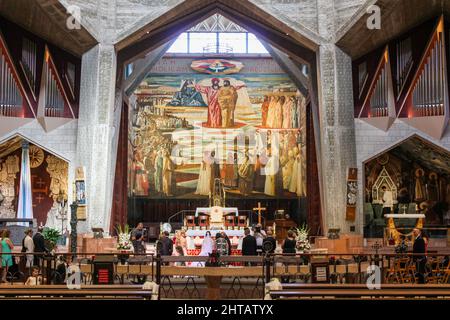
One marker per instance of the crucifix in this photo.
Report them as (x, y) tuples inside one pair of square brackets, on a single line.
[(259, 209)]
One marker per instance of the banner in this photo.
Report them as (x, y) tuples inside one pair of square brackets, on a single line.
[(352, 194)]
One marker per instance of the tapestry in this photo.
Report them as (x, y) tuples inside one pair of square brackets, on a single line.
[(188, 129)]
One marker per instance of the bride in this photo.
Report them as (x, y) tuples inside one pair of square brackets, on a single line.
[(207, 247)]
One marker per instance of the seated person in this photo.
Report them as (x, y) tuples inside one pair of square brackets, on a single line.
[(35, 279)]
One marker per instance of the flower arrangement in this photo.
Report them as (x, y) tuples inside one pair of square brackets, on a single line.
[(124, 238), (302, 238)]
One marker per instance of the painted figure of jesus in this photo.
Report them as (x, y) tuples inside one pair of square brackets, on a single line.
[(227, 98), (212, 93)]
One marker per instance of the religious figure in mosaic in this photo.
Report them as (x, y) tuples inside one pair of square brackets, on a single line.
[(212, 94), (227, 98)]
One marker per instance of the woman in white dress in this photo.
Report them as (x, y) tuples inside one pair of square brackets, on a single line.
[(204, 177), (208, 246)]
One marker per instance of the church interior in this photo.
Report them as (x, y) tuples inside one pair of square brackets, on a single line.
[(212, 149)]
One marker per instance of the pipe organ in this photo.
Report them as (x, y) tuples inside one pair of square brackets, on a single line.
[(11, 100), (404, 62), (28, 61), (429, 90), (54, 101), (379, 98)]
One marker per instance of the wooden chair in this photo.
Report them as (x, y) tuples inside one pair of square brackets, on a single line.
[(229, 221), (86, 270), (203, 221), (242, 221), (446, 273), (121, 271), (189, 221)]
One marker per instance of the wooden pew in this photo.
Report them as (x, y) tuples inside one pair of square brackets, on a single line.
[(120, 292), (360, 291)]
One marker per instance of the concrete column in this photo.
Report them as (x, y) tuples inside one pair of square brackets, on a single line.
[(336, 121), (96, 146)]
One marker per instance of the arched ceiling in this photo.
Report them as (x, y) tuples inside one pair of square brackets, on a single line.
[(397, 17), (47, 19), (217, 23)]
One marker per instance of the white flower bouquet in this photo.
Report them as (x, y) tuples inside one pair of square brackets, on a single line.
[(124, 238), (302, 238)]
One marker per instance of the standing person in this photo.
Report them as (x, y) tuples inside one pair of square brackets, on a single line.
[(227, 239), (182, 241), (28, 247), (248, 244), (259, 241), (166, 244), (7, 247), (289, 243), (221, 245), (208, 245), (39, 245), (419, 250), (212, 95), (180, 253), (137, 237), (270, 239)]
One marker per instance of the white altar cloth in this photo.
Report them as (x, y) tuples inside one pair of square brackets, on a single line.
[(224, 211), (405, 216)]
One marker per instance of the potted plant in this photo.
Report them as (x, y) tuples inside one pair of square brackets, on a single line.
[(51, 237)]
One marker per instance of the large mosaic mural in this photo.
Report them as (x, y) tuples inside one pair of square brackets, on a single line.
[(188, 129)]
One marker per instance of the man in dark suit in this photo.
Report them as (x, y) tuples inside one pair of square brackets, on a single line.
[(270, 239), (419, 250), (39, 245), (166, 244), (248, 244)]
